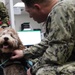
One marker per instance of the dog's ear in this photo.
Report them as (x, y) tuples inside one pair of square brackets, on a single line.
[(1, 29), (21, 46)]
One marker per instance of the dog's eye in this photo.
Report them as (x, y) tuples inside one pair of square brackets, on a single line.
[(11, 35), (3, 34)]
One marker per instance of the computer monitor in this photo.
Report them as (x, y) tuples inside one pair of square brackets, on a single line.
[(30, 37)]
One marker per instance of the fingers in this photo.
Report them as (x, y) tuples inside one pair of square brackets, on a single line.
[(17, 54), (14, 57)]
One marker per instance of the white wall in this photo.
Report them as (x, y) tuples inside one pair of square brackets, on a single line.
[(19, 19), (2, 1)]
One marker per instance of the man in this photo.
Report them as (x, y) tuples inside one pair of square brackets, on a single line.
[(57, 48), (4, 17)]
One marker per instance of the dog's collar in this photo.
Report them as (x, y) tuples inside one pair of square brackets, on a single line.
[(6, 63), (14, 62)]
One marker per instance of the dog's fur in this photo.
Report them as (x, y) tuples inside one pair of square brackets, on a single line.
[(9, 41)]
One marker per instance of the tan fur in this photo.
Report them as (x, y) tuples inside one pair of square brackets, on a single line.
[(9, 41)]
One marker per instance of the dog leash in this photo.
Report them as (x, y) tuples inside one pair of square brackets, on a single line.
[(2, 64), (26, 64)]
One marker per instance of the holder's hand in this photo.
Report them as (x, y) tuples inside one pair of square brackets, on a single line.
[(28, 72), (17, 54)]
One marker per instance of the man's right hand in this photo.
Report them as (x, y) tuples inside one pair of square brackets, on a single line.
[(28, 72), (17, 54)]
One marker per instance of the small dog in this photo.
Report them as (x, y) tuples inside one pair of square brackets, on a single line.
[(9, 41)]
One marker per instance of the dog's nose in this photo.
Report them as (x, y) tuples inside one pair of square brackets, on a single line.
[(5, 38)]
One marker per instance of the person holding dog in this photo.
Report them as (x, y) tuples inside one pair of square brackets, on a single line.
[(55, 53), (4, 17)]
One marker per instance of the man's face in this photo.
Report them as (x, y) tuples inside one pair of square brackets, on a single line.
[(36, 14)]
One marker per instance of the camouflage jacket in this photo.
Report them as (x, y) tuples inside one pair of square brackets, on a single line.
[(57, 47), (4, 17)]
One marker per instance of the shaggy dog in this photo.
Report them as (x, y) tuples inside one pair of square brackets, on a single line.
[(9, 41)]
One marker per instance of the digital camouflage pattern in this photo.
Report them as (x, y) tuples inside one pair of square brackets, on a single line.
[(56, 52), (4, 17)]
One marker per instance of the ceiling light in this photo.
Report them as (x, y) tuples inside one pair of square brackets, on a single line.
[(19, 4)]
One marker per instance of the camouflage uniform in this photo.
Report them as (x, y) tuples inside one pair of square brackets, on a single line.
[(56, 52), (4, 17)]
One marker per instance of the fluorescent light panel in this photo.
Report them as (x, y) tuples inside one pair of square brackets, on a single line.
[(19, 4)]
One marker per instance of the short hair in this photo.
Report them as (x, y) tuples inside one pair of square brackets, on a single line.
[(30, 3)]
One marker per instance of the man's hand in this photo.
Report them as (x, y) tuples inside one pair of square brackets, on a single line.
[(28, 72), (17, 54)]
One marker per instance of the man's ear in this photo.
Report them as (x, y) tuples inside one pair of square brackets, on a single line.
[(37, 6)]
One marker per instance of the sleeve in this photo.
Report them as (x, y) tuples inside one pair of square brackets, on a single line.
[(37, 50), (4, 17), (58, 45)]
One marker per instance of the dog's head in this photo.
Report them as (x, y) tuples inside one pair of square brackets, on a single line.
[(9, 40)]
